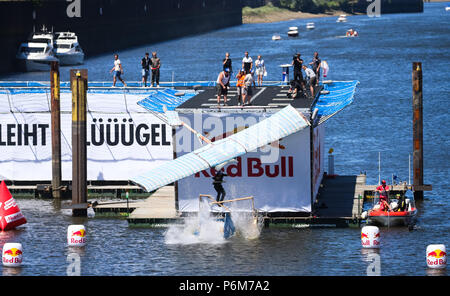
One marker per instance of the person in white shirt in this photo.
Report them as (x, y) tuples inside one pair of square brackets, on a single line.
[(222, 84), (247, 63), (311, 78), (118, 70), (247, 91), (260, 70)]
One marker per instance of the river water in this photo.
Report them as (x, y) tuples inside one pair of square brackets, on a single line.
[(380, 120)]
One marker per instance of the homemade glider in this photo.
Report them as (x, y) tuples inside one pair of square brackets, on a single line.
[(216, 154)]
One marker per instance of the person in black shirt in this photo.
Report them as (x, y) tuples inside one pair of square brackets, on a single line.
[(297, 62), (316, 66), (145, 68), (227, 62), (218, 180)]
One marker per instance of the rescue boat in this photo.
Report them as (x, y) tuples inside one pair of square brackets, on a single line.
[(401, 212)]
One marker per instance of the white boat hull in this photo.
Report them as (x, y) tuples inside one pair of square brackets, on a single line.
[(70, 59), (293, 33), (30, 65)]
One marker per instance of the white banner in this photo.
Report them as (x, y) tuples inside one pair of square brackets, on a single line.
[(120, 144), (279, 184)]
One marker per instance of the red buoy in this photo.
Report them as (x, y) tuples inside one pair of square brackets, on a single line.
[(10, 214)]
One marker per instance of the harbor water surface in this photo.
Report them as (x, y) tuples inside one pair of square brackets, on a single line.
[(380, 120)]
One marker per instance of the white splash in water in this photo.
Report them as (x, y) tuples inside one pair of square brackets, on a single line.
[(247, 225), (206, 229), (203, 229)]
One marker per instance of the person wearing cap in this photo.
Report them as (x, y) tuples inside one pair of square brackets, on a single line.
[(222, 84), (383, 189)]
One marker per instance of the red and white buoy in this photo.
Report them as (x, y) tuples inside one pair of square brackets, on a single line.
[(370, 237), (10, 214), (12, 254), (76, 235), (436, 256)]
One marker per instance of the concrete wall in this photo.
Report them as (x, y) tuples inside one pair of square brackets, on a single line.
[(110, 25)]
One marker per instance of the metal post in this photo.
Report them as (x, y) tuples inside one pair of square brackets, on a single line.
[(56, 129), (78, 83), (174, 142), (417, 128)]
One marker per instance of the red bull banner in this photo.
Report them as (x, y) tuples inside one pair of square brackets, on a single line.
[(277, 175)]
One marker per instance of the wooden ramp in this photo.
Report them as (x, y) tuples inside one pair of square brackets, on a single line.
[(159, 205)]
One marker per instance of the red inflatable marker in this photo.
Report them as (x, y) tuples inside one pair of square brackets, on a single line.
[(10, 214)]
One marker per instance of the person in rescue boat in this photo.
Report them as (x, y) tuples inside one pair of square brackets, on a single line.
[(217, 182), (383, 189)]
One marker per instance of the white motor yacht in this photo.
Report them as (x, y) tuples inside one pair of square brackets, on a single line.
[(310, 26), (37, 53), (293, 32), (342, 18), (67, 49)]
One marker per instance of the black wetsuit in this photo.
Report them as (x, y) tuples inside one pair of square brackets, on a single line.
[(218, 179)]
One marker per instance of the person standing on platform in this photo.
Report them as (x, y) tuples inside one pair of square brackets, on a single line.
[(222, 84), (145, 69), (311, 78), (227, 63), (297, 62), (247, 63), (316, 66), (240, 87), (248, 91), (156, 64), (260, 70), (118, 70)]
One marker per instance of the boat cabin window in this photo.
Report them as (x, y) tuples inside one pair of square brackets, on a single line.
[(32, 49), (63, 45)]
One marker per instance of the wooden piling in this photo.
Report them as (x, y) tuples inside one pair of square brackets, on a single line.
[(56, 129), (417, 129), (78, 84)]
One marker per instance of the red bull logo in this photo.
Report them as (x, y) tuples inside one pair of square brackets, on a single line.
[(12, 255), (436, 258), (78, 237), (370, 237)]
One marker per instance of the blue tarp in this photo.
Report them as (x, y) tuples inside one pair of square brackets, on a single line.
[(166, 97), (341, 94)]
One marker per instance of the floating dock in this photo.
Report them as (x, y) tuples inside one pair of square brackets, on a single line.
[(339, 204)]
